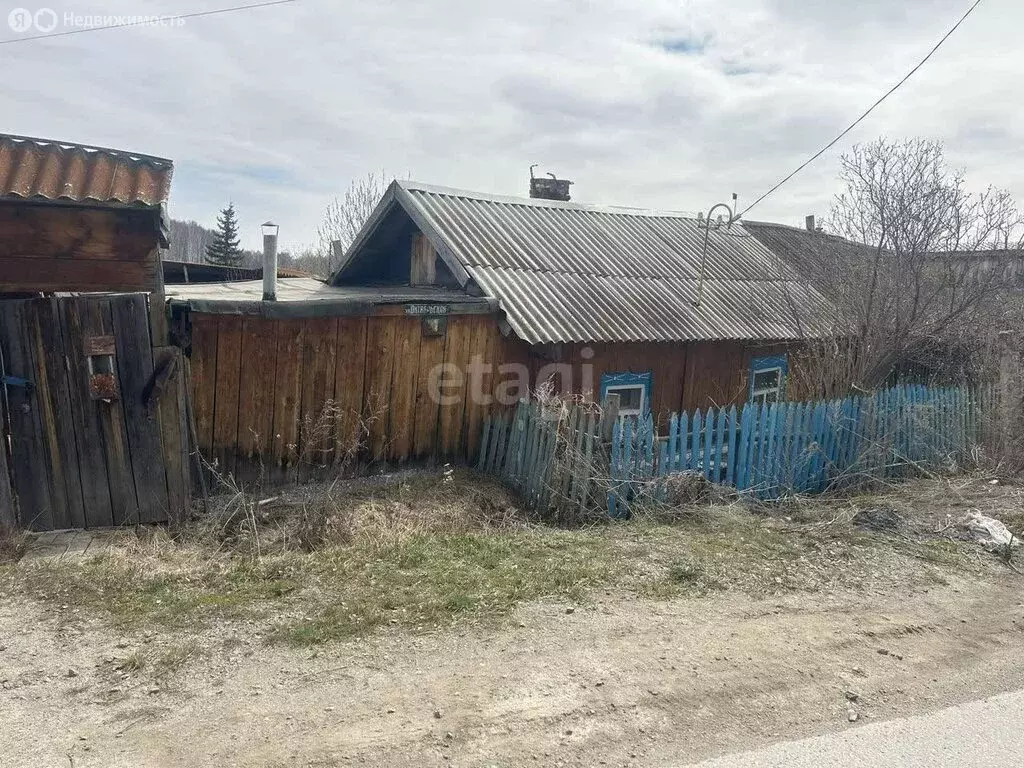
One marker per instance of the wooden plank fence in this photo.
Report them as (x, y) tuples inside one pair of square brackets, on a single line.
[(569, 456)]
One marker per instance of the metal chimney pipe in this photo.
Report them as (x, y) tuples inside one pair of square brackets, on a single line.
[(270, 230)]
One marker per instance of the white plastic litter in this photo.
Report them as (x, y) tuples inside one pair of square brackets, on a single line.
[(988, 531)]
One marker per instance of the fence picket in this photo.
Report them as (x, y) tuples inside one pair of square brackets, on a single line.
[(680, 461), (673, 438), (709, 439), (759, 438), (743, 448), (695, 430), (730, 456), (587, 466), (716, 459), (791, 447), (767, 449)]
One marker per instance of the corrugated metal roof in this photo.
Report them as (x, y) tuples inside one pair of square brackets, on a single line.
[(560, 306), (805, 251), (573, 272), (545, 235), (41, 169)]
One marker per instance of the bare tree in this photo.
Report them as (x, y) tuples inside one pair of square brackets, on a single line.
[(346, 215), (923, 268)]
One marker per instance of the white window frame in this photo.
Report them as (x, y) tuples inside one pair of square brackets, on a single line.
[(612, 389), (761, 395)]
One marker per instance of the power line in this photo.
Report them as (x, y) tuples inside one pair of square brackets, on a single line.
[(145, 22), (869, 110)]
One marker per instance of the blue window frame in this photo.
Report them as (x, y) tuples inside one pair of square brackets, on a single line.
[(768, 378), (633, 389)]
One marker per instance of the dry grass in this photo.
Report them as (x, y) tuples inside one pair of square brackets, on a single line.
[(418, 550), (12, 544), (160, 663)]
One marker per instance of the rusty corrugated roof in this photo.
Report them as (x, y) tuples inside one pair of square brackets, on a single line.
[(573, 272), (57, 171)]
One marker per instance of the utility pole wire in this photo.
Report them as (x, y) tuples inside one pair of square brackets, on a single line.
[(869, 110), (142, 23)]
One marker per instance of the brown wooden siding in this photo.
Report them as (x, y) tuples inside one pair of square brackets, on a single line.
[(260, 385), (47, 248), (685, 376)]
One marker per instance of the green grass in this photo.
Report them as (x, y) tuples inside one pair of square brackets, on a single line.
[(424, 580), (428, 580)]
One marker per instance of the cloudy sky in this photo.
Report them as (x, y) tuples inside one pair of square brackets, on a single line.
[(658, 103)]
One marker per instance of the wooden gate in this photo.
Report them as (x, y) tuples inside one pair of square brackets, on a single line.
[(83, 412)]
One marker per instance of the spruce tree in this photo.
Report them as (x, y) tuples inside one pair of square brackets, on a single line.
[(225, 250)]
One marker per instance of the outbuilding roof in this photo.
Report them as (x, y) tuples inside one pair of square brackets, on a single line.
[(573, 272), (807, 251), (44, 170), (309, 297)]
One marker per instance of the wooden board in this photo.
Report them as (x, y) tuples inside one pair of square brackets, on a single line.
[(256, 397), (46, 274), (229, 372), (79, 234), (203, 382), (134, 358), (172, 415), (423, 261), (97, 321), (403, 387), (478, 386), (28, 446), (287, 396), (96, 497), (54, 401), (349, 379), (458, 347), (8, 511), (431, 357), (380, 358), (319, 348)]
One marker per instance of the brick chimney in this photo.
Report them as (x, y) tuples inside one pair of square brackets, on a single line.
[(809, 223)]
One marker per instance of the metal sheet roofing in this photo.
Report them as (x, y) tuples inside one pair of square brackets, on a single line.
[(572, 272), (56, 171), (307, 297), (559, 306)]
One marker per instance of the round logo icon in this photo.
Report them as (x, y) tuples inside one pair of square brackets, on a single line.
[(20, 20), (46, 20)]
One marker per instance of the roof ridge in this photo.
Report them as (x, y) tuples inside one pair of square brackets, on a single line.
[(534, 202), (72, 146)]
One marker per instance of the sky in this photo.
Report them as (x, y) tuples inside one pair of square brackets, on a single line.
[(652, 103)]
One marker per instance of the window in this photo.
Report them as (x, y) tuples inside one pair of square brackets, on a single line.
[(768, 379), (631, 398), (633, 389)]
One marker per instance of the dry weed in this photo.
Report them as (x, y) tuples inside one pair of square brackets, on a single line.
[(13, 543)]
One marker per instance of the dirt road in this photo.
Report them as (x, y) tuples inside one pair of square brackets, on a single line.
[(620, 681)]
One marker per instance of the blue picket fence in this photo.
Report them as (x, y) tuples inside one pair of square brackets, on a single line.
[(776, 449), (569, 457)]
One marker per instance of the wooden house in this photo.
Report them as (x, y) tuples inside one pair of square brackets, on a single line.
[(631, 293), (450, 304), (93, 411), (302, 381)]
